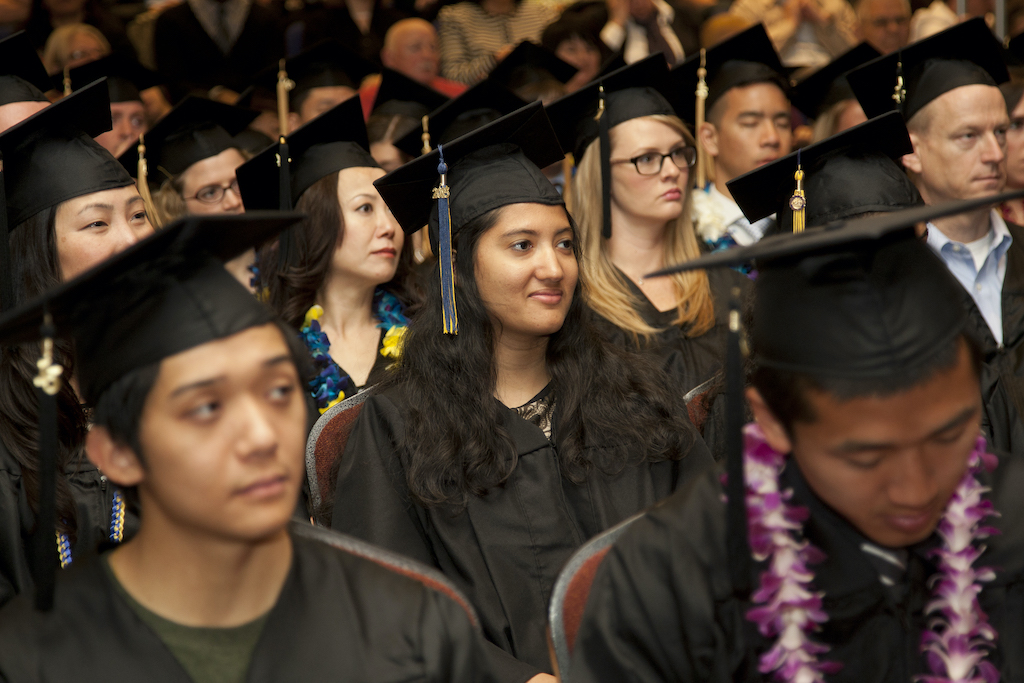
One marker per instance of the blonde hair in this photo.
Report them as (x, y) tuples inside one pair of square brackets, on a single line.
[(55, 53), (606, 288)]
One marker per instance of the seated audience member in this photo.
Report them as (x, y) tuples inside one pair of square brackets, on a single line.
[(509, 433), (747, 124), (640, 28), (190, 161), (572, 42), (878, 531), (533, 73), (1013, 95), (398, 108), (197, 407), (951, 86), (940, 15), (73, 45), (125, 82), (69, 206), (477, 34), (826, 98), (636, 219), (410, 48), (359, 25), (340, 276), (883, 24), (23, 81), (200, 44), (806, 33)]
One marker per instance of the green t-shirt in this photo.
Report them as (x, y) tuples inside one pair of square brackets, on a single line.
[(209, 655)]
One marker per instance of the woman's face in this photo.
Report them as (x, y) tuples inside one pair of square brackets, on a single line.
[(646, 199), (92, 228), (387, 155), (83, 48), (372, 241), (526, 270), (209, 186), (1015, 148)]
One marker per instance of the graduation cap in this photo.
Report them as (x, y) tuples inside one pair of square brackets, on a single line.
[(483, 103), (531, 63), (333, 141), (640, 89), (858, 299), (966, 54), (827, 86), (125, 77), (851, 173), (22, 76), (494, 166), (399, 95), (161, 296), (326, 64)]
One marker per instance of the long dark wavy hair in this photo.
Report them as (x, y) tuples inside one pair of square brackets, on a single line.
[(36, 267), (454, 442), (293, 291)]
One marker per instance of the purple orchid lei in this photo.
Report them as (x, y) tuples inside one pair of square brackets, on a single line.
[(789, 610)]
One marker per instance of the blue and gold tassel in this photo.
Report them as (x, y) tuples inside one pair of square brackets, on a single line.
[(442, 193)]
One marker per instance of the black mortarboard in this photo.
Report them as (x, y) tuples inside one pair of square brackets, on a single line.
[(529, 63), (399, 95), (494, 166), (966, 54), (828, 85), (22, 76), (194, 130), (640, 89), (125, 77), (161, 296), (51, 156), (483, 103), (746, 58), (851, 173), (326, 64), (333, 141)]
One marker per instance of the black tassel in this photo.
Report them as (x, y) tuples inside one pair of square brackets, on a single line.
[(6, 276), (606, 178), (284, 203), (736, 521), (44, 541)]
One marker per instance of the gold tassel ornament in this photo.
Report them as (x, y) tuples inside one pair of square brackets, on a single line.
[(701, 172), (425, 136), (798, 202)]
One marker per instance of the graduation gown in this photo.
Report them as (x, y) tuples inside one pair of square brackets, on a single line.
[(339, 617), (662, 607), (94, 499), (504, 551), (688, 360)]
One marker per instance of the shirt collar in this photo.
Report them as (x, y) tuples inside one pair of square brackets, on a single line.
[(1003, 239)]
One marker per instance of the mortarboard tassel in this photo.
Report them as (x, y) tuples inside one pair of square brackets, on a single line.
[(425, 136), (606, 165), (67, 81), (899, 92), (736, 490), (798, 202), (6, 277), (442, 193), (701, 172), (44, 541), (142, 180), (284, 181)]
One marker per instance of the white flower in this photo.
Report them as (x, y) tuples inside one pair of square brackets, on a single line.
[(707, 220)]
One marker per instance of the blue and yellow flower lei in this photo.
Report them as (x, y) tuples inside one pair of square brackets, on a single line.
[(329, 385)]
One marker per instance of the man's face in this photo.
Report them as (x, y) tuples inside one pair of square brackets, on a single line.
[(414, 53), (1015, 147), (128, 122), (889, 465), (223, 434), (884, 24), (959, 152), (752, 128)]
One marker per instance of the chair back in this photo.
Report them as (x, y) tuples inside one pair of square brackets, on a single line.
[(325, 444), (569, 597)]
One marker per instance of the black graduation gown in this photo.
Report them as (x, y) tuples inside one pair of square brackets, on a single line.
[(662, 608), (504, 551), (688, 360), (94, 499), (340, 617)]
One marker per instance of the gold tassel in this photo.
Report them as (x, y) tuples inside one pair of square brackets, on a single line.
[(284, 84), (798, 202), (67, 81), (600, 102), (899, 93), (425, 136), (142, 177), (567, 165), (701, 172)]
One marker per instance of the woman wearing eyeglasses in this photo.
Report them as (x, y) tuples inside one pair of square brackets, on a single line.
[(643, 224)]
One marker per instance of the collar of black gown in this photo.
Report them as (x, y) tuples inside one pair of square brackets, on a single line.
[(126, 78), (194, 130), (331, 142), (22, 76), (494, 166), (856, 299), (966, 54), (849, 174), (51, 156), (827, 86)]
